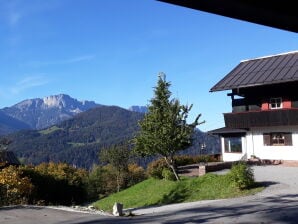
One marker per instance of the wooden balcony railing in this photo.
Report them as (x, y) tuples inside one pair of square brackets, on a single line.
[(279, 117)]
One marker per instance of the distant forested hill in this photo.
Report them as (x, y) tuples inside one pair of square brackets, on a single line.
[(77, 141)]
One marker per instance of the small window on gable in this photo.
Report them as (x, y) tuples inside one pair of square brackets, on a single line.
[(277, 139), (276, 103)]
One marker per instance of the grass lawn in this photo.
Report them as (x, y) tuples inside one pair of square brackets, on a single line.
[(161, 192), (49, 130)]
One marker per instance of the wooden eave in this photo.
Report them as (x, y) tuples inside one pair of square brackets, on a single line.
[(273, 13)]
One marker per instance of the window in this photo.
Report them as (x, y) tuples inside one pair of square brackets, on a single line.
[(233, 144), (277, 139), (275, 103)]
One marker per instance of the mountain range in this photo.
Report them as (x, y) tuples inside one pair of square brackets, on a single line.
[(72, 131), (41, 113)]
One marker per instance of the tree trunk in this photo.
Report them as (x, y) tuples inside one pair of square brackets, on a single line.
[(171, 164), (118, 181)]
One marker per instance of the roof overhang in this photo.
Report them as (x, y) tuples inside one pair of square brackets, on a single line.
[(265, 71), (273, 13), (227, 131)]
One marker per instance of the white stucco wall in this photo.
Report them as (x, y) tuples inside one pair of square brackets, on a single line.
[(255, 144), (252, 144)]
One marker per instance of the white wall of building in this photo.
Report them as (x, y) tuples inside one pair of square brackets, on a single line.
[(253, 144), (233, 156)]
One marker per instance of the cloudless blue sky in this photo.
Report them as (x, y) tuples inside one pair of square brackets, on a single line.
[(111, 51)]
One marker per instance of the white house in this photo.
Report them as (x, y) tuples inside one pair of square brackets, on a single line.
[(264, 117)]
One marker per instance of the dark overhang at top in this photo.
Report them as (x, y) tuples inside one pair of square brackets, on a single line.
[(268, 70), (274, 13), (227, 131)]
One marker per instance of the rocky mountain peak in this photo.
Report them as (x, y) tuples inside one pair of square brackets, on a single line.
[(60, 100), (40, 113), (140, 109)]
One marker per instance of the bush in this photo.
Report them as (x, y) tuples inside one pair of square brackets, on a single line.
[(47, 183), (102, 181), (155, 168), (99, 182), (57, 183), (167, 174), (241, 176), (135, 174), (15, 188), (182, 160)]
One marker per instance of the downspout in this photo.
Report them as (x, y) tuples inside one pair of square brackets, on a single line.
[(246, 146), (253, 143)]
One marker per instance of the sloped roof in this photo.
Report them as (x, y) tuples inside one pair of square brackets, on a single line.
[(261, 71)]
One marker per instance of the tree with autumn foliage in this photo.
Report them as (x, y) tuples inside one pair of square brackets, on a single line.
[(15, 188), (57, 183), (164, 130)]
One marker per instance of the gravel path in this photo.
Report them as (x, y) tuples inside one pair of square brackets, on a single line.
[(281, 179)]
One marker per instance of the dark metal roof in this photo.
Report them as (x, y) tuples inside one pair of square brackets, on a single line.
[(261, 71), (274, 13)]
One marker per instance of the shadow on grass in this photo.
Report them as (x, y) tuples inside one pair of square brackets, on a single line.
[(174, 196)]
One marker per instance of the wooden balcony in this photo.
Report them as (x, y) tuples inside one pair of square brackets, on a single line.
[(281, 117)]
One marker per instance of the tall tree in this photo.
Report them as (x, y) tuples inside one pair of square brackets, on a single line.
[(164, 129), (118, 156)]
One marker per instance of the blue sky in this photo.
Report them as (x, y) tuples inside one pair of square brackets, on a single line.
[(111, 51)]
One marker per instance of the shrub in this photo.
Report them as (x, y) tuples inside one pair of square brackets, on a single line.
[(57, 183), (96, 185), (101, 181), (154, 169), (182, 160), (167, 174), (241, 176), (135, 175), (15, 188)]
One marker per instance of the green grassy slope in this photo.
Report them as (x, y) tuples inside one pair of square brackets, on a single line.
[(160, 192)]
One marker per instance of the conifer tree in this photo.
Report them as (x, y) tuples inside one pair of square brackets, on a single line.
[(164, 130)]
